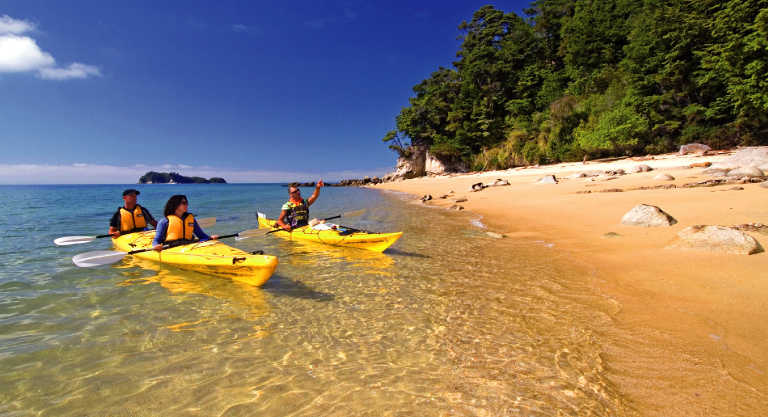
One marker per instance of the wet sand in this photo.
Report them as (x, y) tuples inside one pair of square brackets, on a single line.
[(698, 316)]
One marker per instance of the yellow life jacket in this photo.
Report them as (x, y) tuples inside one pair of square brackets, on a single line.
[(180, 228), (131, 220)]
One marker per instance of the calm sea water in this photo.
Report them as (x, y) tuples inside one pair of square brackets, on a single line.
[(448, 321)]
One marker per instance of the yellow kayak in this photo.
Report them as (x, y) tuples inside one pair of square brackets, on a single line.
[(210, 257), (376, 242)]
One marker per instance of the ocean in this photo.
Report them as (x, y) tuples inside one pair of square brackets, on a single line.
[(447, 321)]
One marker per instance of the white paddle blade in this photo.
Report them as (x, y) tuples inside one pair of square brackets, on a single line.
[(106, 257), (353, 213), (206, 222), (73, 240), (252, 233)]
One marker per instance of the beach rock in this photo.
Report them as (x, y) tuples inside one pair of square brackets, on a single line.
[(456, 207), (746, 171), (459, 200), (549, 179), (715, 172), (745, 157), (498, 183), (674, 168), (764, 184), (593, 173), (701, 165), (639, 168), (664, 177), (476, 187), (763, 167), (608, 178), (494, 234), (696, 148), (736, 189), (611, 235), (612, 190), (427, 197), (752, 227), (577, 175), (614, 172), (655, 187), (647, 216), (715, 238), (583, 192)]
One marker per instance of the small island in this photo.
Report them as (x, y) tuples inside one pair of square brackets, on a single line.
[(153, 177)]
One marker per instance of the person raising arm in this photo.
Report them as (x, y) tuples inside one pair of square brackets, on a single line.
[(295, 213)]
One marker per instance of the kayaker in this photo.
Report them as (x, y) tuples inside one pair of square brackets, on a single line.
[(131, 217), (295, 213), (178, 224)]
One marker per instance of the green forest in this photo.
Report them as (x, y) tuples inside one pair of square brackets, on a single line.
[(587, 78)]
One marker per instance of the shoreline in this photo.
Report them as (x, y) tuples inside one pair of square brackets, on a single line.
[(704, 311)]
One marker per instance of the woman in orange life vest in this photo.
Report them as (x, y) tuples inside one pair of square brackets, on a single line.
[(131, 217), (295, 213), (178, 224)]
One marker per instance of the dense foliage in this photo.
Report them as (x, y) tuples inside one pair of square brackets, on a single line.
[(585, 78), (153, 177)]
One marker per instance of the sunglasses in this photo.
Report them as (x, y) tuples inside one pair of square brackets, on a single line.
[(184, 203), (295, 192)]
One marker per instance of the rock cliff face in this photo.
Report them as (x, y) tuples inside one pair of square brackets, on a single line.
[(421, 163)]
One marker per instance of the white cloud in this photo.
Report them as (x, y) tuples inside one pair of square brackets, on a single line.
[(12, 26), (21, 54), (80, 173), (72, 71)]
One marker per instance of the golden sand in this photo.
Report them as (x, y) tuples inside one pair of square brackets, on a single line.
[(705, 312)]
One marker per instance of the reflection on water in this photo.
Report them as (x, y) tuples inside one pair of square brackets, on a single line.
[(446, 322)]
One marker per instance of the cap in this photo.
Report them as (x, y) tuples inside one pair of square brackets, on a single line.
[(130, 191)]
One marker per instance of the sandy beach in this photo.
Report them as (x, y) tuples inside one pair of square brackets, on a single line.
[(700, 314)]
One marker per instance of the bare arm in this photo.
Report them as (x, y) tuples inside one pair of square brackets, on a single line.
[(281, 220), (316, 194), (114, 232)]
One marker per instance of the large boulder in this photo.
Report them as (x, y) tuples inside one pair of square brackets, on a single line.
[(549, 179), (647, 216), (664, 177), (715, 238), (746, 171), (745, 157), (695, 148), (639, 168)]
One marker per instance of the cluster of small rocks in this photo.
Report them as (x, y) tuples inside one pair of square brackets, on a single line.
[(480, 186), (752, 227)]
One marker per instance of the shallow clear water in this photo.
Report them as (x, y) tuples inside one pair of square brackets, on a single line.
[(448, 321)]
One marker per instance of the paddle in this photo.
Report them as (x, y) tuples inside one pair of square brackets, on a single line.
[(76, 240), (350, 214), (90, 259)]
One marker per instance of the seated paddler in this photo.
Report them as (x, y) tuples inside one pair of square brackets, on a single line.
[(295, 213), (178, 226), (131, 217)]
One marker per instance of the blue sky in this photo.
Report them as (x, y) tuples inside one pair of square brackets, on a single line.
[(95, 91)]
